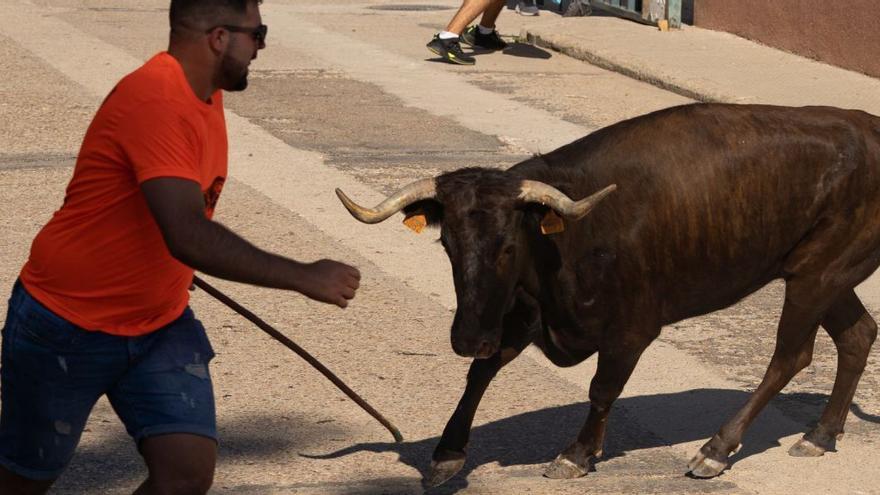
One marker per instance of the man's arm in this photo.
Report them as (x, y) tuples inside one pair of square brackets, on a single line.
[(178, 207)]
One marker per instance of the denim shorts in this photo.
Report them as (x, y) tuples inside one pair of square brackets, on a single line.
[(52, 373)]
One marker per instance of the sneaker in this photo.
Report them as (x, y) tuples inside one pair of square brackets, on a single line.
[(473, 37), (450, 50), (527, 7)]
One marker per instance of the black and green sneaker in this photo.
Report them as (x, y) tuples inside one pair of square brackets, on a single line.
[(473, 37), (450, 50)]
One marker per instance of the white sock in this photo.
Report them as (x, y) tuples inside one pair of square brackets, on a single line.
[(446, 35), (485, 30)]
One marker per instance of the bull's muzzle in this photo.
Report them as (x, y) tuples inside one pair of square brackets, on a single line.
[(470, 339), (478, 349)]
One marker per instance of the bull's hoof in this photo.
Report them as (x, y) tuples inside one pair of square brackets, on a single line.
[(443, 470), (805, 448), (704, 467), (564, 469)]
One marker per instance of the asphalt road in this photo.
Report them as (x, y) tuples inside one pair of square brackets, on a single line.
[(347, 96)]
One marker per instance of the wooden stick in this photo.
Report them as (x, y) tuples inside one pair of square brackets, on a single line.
[(280, 337)]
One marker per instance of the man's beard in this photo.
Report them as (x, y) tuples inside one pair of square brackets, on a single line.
[(233, 74)]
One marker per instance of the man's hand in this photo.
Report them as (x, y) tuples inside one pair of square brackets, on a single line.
[(178, 207), (330, 281)]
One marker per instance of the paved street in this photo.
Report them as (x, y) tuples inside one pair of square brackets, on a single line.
[(346, 95)]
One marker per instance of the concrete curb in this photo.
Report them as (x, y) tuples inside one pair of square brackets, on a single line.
[(570, 46), (705, 65)]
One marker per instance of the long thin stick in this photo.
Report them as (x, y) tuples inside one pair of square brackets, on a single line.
[(280, 337)]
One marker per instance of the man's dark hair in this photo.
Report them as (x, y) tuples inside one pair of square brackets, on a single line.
[(203, 14)]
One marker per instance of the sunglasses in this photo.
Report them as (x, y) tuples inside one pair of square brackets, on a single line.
[(257, 33)]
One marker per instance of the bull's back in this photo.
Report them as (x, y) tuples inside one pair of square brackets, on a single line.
[(712, 199)]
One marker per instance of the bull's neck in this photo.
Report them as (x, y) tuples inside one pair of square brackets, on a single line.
[(570, 288)]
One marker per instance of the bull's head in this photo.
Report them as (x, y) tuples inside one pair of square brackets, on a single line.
[(485, 218)]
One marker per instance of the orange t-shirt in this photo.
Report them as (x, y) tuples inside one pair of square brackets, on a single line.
[(101, 261)]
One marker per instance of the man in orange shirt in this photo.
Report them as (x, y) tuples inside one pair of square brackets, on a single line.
[(101, 306)]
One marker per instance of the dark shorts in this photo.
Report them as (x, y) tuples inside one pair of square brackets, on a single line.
[(52, 373)]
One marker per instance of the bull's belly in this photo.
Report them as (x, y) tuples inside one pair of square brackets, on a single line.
[(687, 299)]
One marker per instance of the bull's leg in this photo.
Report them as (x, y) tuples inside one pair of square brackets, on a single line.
[(794, 351), (616, 364), (853, 331), (449, 456)]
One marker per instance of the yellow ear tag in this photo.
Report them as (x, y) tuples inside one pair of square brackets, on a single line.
[(552, 223), (416, 222)]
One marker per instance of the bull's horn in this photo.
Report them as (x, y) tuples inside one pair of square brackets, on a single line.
[(532, 191), (415, 191)]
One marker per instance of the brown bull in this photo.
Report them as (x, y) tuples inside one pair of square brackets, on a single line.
[(712, 203)]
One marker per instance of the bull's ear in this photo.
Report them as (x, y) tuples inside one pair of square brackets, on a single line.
[(416, 221), (540, 218), (422, 214), (552, 223)]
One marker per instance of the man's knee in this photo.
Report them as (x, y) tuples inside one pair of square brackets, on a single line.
[(190, 470), (179, 477)]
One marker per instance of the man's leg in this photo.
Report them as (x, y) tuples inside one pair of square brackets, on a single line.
[(446, 43), (178, 464), (490, 15), (469, 11), (485, 35), (52, 374), (166, 401)]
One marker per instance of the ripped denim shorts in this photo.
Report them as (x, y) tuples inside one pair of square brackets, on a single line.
[(52, 373)]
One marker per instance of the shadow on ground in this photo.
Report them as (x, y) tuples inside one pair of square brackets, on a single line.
[(537, 437), (112, 465), (859, 413), (514, 49), (526, 50), (526, 439)]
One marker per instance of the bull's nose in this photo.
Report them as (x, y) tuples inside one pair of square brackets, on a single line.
[(481, 349), (485, 350)]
